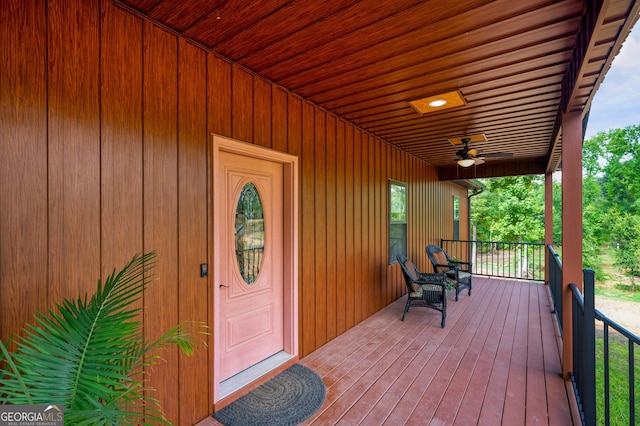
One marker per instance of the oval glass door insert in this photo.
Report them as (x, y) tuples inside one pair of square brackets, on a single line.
[(249, 233)]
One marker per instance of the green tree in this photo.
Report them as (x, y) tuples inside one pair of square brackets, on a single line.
[(611, 196), (510, 209), (614, 158), (557, 212), (625, 230), (595, 232)]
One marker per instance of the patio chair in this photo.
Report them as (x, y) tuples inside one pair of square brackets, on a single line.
[(457, 271), (425, 289)]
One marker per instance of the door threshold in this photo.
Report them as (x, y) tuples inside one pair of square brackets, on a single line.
[(243, 378)]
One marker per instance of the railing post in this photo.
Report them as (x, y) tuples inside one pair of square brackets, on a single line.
[(589, 349), (632, 385)]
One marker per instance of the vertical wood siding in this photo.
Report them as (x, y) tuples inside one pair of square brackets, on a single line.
[(121, 131), (106, 122), (24, 242), (73, 117), (160, 198), (193, 291)]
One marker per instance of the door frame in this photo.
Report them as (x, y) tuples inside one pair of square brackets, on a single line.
[(290, 254)]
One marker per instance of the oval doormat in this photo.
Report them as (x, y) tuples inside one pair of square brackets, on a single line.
[(289, 398)]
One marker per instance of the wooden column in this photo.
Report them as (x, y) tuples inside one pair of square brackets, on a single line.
[(571, 226)]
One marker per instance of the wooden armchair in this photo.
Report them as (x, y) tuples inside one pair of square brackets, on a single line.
[(428, 290), (457, 271)]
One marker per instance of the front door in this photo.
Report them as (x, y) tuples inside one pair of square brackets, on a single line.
[(251, 317)]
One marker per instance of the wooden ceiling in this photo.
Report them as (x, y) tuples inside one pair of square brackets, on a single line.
[(518, 64)]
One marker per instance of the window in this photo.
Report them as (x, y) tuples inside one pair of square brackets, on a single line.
[(456, 218), (249, 233), (397, 220)]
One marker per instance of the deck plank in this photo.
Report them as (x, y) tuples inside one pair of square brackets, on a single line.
[(452, 405), (555, 386), (459, 316), (419, 329), (493, 404), (515, 398), (447, 386), (474, 396), (495, 362), (536, 401)]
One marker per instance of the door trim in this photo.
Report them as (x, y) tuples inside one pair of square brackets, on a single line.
[(290, 252)]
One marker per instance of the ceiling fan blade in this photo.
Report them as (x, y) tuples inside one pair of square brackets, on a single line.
[(479, 161), (472, 152)]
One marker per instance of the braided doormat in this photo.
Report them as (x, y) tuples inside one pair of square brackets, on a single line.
[(289, 398)]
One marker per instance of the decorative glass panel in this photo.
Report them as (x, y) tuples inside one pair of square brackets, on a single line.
[(249, 233)]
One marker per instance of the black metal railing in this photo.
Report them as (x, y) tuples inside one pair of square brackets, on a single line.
[(596, 362), (555, 283), (519, 260), (609, 360), (583, 375)]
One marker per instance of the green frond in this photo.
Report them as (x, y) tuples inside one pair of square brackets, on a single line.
[(181, 335), (88, 354)]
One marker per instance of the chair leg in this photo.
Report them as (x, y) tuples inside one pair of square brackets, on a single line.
[(406, 308), (457, 292), (444, 309)]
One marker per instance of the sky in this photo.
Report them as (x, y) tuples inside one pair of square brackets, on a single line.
[(617, 102)]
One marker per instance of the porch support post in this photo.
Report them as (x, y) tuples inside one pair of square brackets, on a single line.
[(548, 221), (571, 227)]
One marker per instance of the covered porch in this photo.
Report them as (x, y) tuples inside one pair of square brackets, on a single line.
[(108, 110), (496, 362)]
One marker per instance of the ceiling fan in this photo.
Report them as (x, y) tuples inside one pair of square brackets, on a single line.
[(467, 156)]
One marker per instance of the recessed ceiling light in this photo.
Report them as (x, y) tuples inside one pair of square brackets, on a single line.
[(438, 102)]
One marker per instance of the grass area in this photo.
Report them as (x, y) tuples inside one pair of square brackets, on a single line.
[(612, 283), (617, 293), (619, 380)]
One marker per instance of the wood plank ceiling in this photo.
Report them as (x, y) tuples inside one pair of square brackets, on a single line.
[(514, 62)]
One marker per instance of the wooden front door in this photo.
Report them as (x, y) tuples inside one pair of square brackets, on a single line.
[(251, 317)]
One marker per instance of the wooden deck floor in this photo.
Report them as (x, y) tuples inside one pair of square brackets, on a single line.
[(495, 362)]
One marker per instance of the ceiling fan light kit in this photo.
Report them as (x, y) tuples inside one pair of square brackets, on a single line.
[(467, 156), (466, 162)]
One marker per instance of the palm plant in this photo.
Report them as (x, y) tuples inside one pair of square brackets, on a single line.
[(90, 356)]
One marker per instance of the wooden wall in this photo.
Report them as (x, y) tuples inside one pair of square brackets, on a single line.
[(104, 135)]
